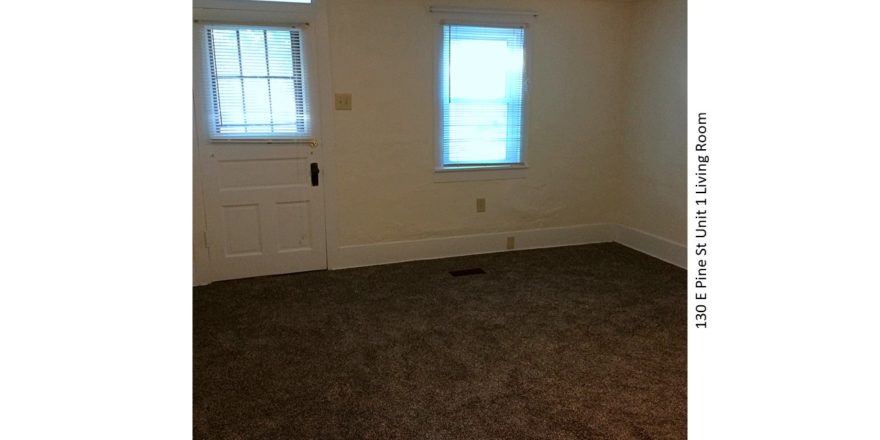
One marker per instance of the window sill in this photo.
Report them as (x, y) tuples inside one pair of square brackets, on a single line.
[(263, 141), (462, 174)]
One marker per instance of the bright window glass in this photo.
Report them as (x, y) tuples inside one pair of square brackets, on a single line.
[(481, 95), (258, 82)]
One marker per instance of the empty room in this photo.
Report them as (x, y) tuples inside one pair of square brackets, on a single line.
[(439, 219)]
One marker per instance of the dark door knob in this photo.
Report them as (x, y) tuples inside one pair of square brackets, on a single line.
[(315, 172)]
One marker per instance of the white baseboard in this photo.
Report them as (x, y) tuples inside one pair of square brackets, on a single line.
[(653, 245), (457, 246)]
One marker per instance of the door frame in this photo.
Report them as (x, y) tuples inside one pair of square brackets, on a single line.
[(269, 13)]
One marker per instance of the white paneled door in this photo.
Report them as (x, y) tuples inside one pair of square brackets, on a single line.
[(265, 212), (258, 151)]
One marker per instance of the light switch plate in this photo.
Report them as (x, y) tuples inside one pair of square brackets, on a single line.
[(343, 101), (481, 205)]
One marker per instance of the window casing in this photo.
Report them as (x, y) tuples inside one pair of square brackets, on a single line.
[(481, 93), (257, 81)]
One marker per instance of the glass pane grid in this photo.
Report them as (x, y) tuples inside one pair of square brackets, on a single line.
[(258, 88)]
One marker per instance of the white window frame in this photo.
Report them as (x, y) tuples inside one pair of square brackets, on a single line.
[(469, 17), (212, 94), (256, 13)]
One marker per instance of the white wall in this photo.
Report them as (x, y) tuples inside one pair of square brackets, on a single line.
[(653, 175), (383, 53)]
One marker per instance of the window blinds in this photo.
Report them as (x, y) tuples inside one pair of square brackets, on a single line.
[(481, 95), (258, 83)]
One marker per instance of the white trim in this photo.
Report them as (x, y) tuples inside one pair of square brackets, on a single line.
[(480, 173), (288, 17), (326, 118), (201, 257), (456, 246), (257, 140), (264, 24), (653, 245), (249, 6), (475, 244), (484, 15)]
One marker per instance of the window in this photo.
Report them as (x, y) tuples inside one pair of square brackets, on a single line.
[(481, 89), (257, 83)]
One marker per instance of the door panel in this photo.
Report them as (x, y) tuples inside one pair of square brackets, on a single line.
[(244, 174), (264, 215), (243, 232), (293, 217)]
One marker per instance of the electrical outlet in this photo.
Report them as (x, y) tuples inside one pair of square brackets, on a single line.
[(481, 205), (511, 242), (343, 101)]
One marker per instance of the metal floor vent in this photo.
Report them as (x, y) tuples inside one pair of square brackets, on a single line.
[(463, 272)]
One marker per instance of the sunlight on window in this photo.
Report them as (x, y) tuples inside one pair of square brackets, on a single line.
[(482, 77), (478, 69)]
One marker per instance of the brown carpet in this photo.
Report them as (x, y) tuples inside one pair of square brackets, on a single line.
[(582, 342)]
